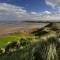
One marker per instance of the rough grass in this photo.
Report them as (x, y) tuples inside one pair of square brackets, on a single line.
[(45, 48), (38, 51)]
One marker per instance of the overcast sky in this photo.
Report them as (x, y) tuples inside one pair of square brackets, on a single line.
[(30, 10)]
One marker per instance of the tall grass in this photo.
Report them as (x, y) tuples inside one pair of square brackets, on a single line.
[(42, 50)]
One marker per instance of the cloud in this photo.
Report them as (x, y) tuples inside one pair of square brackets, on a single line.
[(33, 13), (47, 12), (55, 4), (52, 3), (12, 12)]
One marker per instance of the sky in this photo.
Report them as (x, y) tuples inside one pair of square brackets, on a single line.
[(30, 10)]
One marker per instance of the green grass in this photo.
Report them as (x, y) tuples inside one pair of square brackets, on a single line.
[(5, 39), (14, 37), (8, 38)]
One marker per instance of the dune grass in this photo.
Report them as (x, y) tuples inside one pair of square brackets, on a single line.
[(46, 47)]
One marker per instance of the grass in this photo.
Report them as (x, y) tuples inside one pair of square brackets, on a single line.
[(46, 47), (5, 39), (14, 37), (40, 50), (8, 38)]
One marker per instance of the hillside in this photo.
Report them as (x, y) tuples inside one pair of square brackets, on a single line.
[(39, 44)]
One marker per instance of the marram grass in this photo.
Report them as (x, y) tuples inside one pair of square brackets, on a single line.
[(41, 50)]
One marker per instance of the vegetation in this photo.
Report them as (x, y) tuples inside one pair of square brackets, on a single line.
[(40, 44)]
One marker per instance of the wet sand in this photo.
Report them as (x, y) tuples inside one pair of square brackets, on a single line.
[(11, 28)]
